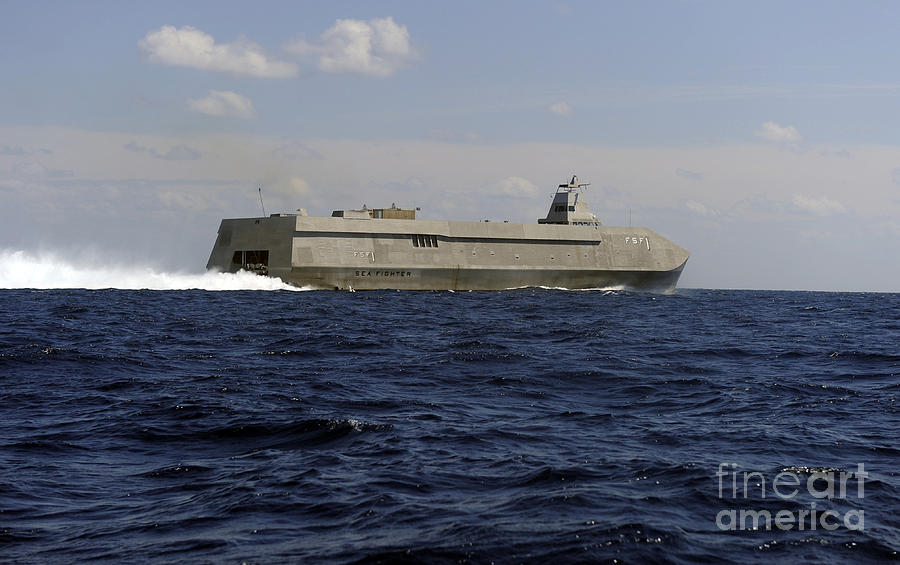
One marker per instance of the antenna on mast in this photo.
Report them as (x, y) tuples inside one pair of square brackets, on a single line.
[(574, 184), (263, 206)]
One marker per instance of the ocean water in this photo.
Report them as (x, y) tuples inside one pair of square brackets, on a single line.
[(526, 426)]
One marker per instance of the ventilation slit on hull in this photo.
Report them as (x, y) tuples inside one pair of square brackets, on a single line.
[(419, 240)]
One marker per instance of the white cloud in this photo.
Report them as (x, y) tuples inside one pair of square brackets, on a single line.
[(687, 174), (783, 134), (223, 103), (179, 153), (820, 206), (700, 209), (14, 151), (377, 47), (561, 108), (895, 176), (184, 200), (11, 184), (842, 153), (33, 169), (18, 151), (175, 153), (444, 134), (284, 191), (295, 151), (297, 186), (517, 186), (190, 47)]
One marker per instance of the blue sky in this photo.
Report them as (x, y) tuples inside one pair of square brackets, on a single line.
[(762, 136)]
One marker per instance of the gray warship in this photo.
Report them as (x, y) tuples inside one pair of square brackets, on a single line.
[(388, 248)]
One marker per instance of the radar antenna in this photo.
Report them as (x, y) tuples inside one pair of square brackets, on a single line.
[(574, 184)]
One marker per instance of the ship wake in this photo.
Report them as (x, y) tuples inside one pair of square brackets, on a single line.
[(604, 289), (46, 270)]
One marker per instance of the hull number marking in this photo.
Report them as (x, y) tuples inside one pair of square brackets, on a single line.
[(635, 240)]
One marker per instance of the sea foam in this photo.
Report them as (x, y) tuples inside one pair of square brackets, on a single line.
[(45, 270)]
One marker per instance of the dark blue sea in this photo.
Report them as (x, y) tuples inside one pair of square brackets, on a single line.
[(526, 426)]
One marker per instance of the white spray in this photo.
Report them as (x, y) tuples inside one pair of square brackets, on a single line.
[(22, 269)]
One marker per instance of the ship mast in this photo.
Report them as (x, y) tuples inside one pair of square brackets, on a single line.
[(573, 185)]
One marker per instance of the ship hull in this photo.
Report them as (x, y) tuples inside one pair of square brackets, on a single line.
[(413, 278), (367, 254)]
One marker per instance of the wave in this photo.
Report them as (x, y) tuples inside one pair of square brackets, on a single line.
[(612, 289), (46, 270)]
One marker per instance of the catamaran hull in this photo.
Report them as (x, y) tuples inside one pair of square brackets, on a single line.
[(414, 278)]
